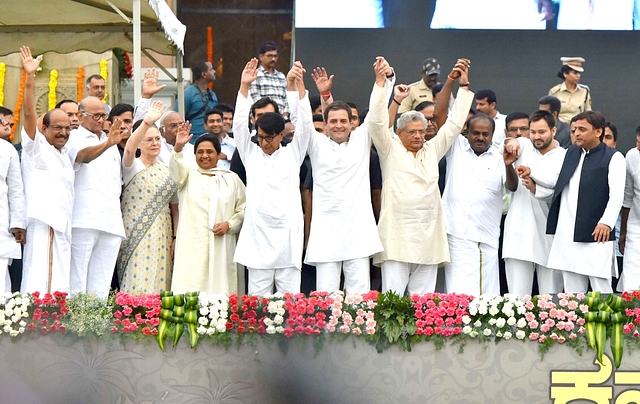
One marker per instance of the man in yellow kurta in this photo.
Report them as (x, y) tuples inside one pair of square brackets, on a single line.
[(411, 223)]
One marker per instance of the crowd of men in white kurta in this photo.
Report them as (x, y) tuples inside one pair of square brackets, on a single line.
[(64, 200)]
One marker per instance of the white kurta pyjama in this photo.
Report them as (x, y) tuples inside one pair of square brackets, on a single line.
[(48, 183), (273, 229), (411, 224), (12, 209), (630, 279), (591, 259)]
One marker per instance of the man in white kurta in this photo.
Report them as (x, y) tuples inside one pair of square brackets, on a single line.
[(270, 242), (525, 247), (472, 204), (585, 254), (411, 225), (48, 184), (630, 228), (343, 231), (12, 211), (97, 228)]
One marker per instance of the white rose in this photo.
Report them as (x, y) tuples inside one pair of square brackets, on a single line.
[(221, 328), (204, 311), (202, 330), (466, 329), (499, 334), (278, 295), (473, 310), (23, 323), (13, 333), (520, 334), (511, 321), (466, 319), (500, 322), (473, 334), (507, 335), (477, 324), (203, 321), (522, 310), (492, 321), (521, 322), (482, 309), (278, 319), (7, 328), (271, 329), (268, 322), (280, 329), (21, 330), (486, 332), (493, 310), (211, 331)]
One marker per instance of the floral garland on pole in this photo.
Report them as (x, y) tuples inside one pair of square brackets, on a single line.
[(16, 110), (80, 83), (104, 73), (3, 72), (53, 85), (125, 70)]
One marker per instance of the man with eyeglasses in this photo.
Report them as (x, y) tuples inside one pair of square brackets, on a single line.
[(517, 125), (472, 205), (270, 82), (271, 240), (6, 123), (97, 228), (71, 108), (169, 125), (96, 87), (48, 183), (411, 225)]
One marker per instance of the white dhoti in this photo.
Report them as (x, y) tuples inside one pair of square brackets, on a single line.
[(473, 269), (356, 275), (45, 243), (5, 280), (262, 281), (520, 277), (630, 278), (93, 260), (414, 278)]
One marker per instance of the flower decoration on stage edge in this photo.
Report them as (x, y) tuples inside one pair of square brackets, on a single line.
[(80, 83), (104, 73), (53, 85), (3, 72), (14, 314), (18, 108), (125, 70)]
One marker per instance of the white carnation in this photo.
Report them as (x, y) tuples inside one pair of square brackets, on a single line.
[(520, 334), (487, 331), (501, 322), (507, 335)]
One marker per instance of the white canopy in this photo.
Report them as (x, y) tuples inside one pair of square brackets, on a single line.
[(65, 26)]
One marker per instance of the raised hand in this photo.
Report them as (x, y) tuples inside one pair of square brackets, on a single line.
[(295, 78), (183, 135), (400, 92), (29, 64), (250, 72), (150, 84), (382, 69), (155, 112), (461, 71), (115, 134), (323, 81)]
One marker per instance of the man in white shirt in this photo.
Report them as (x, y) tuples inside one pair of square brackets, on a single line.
[(270, 242), (630, 225), (472, 203), (48, 183), (214, 125), (526, 245), (486, 101), (97, 220), (411, 226), (96, 87), (586, 201), (343, 231)]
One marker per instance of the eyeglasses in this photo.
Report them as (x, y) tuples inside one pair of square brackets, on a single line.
[(59, 128), (96, 117), (420, 132), (522, 129), (4, 122), (174, 126), (152, 140), (270, 56), (267, 139)]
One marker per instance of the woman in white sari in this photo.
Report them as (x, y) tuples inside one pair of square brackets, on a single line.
[(211, 208), (144, 262)]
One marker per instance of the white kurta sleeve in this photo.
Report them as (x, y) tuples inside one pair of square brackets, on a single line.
[(449, 132), (304, 128), (141, 109), (17, 203), (240, 129), (178, 171), (617, 170), (377, 121), (629, 183)]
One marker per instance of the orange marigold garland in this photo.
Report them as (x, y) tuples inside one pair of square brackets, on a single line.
[(16, 110), (80, 82)]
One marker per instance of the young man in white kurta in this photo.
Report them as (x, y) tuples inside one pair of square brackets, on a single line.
[(472, 204), (343, 231), (12, 211), (97, 220), (526, 245), (270, 242), (411, 225), (630, 228), (48, 183)]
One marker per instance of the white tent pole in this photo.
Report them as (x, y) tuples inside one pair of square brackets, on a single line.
[(180, 81), (137, 54)]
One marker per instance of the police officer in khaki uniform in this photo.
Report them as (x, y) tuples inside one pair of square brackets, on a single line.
[(575, 97), (420, 91)]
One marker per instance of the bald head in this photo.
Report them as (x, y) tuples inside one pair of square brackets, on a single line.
[(56, 126), (92, 114), (169, 126)]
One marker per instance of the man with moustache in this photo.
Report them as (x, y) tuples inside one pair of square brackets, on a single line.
[(270, 82), (48, 183), (472, 204), (96, 87), (526, 247), (421, 90)]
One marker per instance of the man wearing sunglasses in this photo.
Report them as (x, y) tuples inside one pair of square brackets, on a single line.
[(6, 123), (97, 228)]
